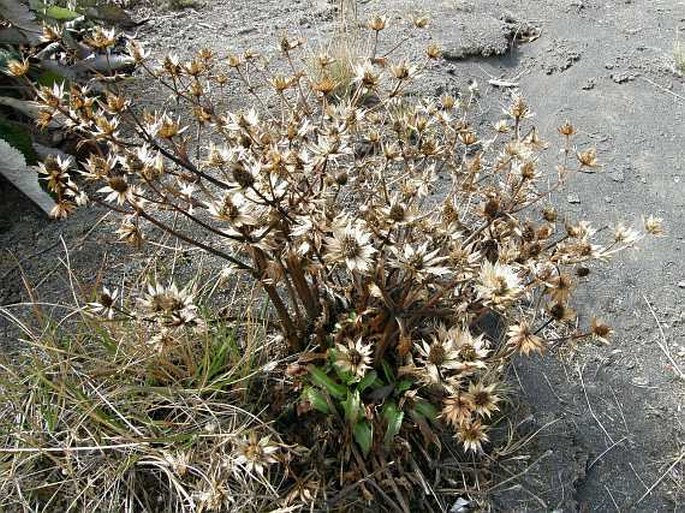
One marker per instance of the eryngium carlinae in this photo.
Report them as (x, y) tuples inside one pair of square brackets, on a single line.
[(325, 196)]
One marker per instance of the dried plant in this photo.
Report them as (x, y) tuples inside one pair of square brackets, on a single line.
[(407, 256), (137, 405)]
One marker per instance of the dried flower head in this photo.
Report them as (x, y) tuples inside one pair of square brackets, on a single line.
[(600, 330), (521, 337), (17, 68), (457, 409), (378, 23), (498, 284), (588, 158), (253, 455), (654, 226), (355, 357), (171, 306), (472, 435), (106, 305), (484, 398), (350, 245), (438, 358)]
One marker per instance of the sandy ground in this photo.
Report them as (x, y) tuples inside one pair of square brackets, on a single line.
[(610, 419)]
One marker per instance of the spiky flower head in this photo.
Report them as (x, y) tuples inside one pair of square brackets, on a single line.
[(106, 304), (255, 454), (498, 284), (355, 357), (484, 398), (524, 340), (472, 435), (351, 245), (457, 409)]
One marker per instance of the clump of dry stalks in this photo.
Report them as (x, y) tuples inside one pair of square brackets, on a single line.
[(385, 294)]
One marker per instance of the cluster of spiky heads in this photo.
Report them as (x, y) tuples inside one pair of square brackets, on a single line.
[(384, 228)]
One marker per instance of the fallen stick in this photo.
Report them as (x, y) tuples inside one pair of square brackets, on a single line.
[(502, 83)]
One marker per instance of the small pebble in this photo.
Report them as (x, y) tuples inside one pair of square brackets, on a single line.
[(621, 78), (589, 85), (639, 381), (617, 176)]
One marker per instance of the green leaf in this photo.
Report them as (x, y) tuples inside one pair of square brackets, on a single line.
[(367, 380), (61, 14), (352, 407), (322, 380), (316, 399), (18, 136), (387, 370), (404, 385), (393, 417), (13, 167), (7, 53), (426, 409), (363, 435), (49, 77)]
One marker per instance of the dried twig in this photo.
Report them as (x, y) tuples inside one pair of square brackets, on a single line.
[(662, 343), (606, 451), (502, 83), (661, 478), (587, 400)]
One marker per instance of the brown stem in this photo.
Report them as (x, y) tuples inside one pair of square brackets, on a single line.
[(302, 287), (289, 329), (185, 238), (384, 343)]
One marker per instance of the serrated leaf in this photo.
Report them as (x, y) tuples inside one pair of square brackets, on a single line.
[(104, 63), (13, 167), (322, 380), (19, 137), (368, 380), (316, 399), (393, 418), (363, 436), (352, 406)]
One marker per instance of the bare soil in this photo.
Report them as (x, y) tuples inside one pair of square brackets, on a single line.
[(608, 421)]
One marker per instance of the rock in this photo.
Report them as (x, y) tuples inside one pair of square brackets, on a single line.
[(639, 381), (622, 78), (573, 199), (617, 176), (589, 85), (681, 284)]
